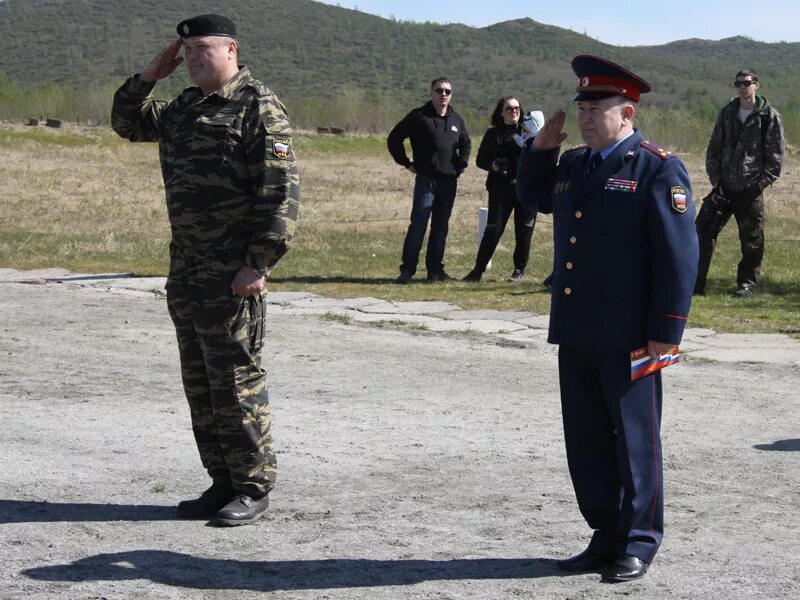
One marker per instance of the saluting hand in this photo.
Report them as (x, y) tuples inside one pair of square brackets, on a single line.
[(164, 63), (550, 135)]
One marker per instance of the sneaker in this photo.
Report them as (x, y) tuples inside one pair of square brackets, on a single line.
[(208, 504), (439, 277), (472, 276), (241, 510), (404, 278), (745, 290), (516, 276)]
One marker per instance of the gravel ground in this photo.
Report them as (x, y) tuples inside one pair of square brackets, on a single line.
[(413, 464)]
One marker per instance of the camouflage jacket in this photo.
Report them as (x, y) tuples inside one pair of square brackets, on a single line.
[(749, 155), (229, 170)]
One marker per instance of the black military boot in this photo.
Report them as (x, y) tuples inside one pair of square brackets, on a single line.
[(209, 502), (241, 510)]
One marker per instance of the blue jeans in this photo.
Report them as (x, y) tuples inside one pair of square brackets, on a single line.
[(433, 199)]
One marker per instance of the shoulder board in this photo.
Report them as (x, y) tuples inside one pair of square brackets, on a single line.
[(578, 147), (259, 88), (657, 150)]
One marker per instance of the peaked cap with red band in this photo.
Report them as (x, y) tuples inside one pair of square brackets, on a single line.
[(599, 78)]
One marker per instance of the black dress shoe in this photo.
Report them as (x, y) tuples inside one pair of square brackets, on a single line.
[(209, 502), (473, 276), (588, 560), (241, 510), (626, 568), (439, 277)]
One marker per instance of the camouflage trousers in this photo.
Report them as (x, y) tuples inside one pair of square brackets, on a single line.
[(749, 215), (220, 337)]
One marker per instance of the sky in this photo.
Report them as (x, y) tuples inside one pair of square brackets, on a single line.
[(618, 22)]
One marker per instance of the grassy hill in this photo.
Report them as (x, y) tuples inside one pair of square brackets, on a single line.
[(315, 54)]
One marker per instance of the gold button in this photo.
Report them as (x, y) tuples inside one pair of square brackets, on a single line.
[(567, 291), (578, 214), (573, 239), (569, 265)]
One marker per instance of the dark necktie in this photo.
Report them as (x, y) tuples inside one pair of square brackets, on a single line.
[(594, 161)]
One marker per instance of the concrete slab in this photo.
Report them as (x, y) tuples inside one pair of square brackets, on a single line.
[(286, 297), (425, 308), (422, 320), (753, 355), (536, 322), (751, 341), (487, 315), (488, 327), (33, 276)]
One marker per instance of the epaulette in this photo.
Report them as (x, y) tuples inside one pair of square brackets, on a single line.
[(259, 88), (657, 150), (578, 147)]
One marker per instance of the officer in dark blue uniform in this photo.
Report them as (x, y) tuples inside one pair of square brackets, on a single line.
[(625, 260)]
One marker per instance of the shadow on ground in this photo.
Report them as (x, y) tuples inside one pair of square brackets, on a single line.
[(780, 446), (28, 511), (183, 570)]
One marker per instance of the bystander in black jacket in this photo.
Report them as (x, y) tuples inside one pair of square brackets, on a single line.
[(500, 147), (440, 146)]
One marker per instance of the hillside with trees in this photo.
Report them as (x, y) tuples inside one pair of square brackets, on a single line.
[(332, 64)]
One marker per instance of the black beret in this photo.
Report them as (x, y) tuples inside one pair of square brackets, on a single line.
[(600, 78), (206, 25)]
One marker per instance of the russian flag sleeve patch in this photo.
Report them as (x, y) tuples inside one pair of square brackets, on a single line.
[(678, 198)]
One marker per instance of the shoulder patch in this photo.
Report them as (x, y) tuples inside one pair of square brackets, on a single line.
[(281, 146), (578, 147), (657, 150), (678, 198)]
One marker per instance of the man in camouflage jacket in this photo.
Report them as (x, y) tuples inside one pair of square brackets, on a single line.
[(233, 198), (745, 155)]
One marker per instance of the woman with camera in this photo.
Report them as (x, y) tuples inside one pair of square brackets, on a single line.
[(499, 154)]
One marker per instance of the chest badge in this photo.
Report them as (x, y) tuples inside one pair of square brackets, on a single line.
[(453, 128), (281, 146), (562, 186), (678, 196), (620, 185)]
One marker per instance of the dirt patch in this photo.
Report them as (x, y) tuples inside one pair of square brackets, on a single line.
[(412, 465)]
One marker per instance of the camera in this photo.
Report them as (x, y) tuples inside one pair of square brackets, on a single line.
[(502, 164)]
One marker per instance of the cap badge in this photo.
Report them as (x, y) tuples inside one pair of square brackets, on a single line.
[(585, 82), (185, 29)]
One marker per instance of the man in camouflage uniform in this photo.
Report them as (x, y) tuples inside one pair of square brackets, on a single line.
[(233, 198), (745, 155)]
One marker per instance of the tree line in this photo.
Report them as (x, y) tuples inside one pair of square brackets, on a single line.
[(371, 111)]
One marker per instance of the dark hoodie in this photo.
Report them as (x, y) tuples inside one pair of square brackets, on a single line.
[(440, 145)]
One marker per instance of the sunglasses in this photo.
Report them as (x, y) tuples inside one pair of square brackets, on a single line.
[(444, 91), (511, 108), (743, 83)]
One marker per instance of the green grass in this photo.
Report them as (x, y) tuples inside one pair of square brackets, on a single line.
[(349, 237), (334, 145), (52, 137), (96, 253)]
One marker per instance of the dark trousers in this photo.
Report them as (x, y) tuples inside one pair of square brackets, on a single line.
[(502, 201), (220, 337), (433, 200), (749, 215), (612, 434)]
